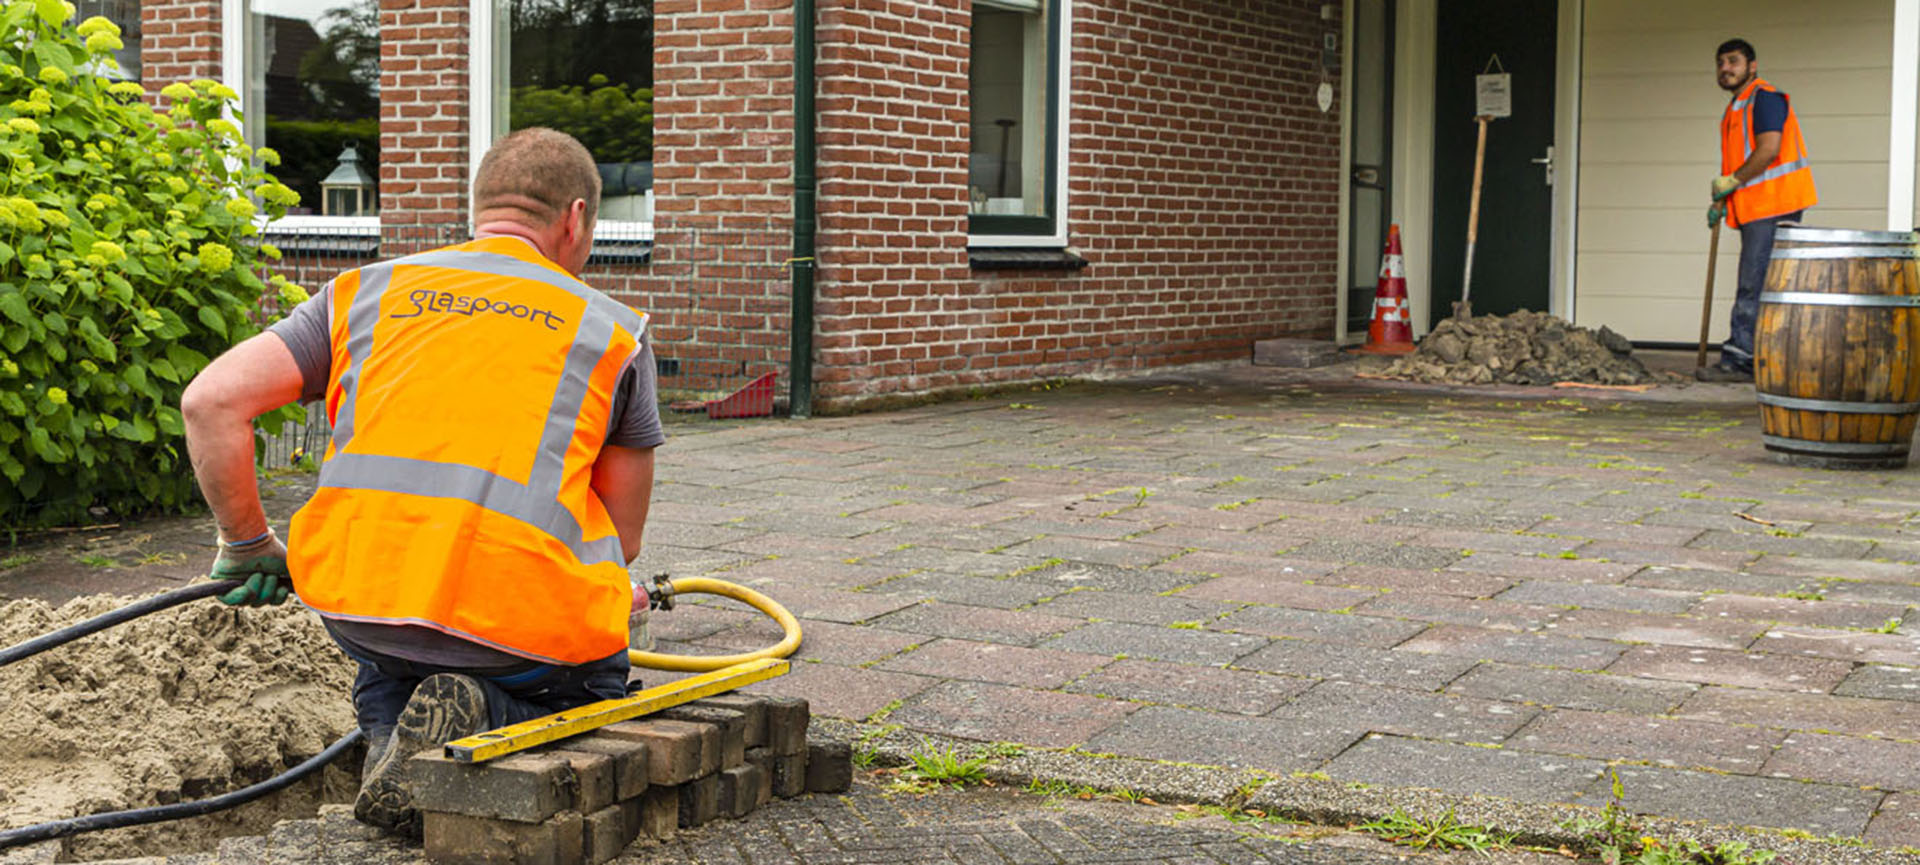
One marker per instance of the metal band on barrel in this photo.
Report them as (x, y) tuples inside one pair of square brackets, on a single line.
[(1812, 298), (1846, 252), (1798, 234), (1804, 404), (1846, 448)]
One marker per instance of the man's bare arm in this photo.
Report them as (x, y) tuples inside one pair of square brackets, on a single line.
[(1766, 148), (249, 380), (623, 478)]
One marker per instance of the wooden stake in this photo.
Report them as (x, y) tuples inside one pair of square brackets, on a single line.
[(1464, 309), (1706, 306)]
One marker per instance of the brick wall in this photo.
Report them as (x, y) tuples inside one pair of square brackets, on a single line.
[(424, 103), (180, 41), (1204, 187)]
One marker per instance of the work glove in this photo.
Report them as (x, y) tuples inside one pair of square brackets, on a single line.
[(262, 568), (1723, 186), (1714, 215)]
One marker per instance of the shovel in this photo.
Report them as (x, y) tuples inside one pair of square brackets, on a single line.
[(1706, 306)]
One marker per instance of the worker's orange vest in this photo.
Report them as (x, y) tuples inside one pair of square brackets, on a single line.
[(1786, 185), (470, 393)]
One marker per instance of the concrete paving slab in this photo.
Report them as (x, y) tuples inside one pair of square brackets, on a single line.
[(1404, 762), (1064, 575), (1133, 607), (1447, 582), (1356, 709), (1881, 682), (1660, 741), (1854, 646), (1743, 800), (1603, 597), (1820, 613), (1741, 669), (963, 590), (1188, 685), (1150, 642), (1475, 613), (1213, 739), (1000, 713), (1280, 593), (1571, 689), (1344, 628), (1542, 568), (1486, 644), (837, 691), (1848, 760), (1653, 628), (967, 660), (1362, 664), (1791, 711), (986, 624)]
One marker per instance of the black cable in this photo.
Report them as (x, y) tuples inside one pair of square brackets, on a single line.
[(179, 810), (107, 620)]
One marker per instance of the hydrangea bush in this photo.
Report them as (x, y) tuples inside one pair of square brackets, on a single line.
[(126, 262)]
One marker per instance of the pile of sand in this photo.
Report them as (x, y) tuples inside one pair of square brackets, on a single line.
[(1522, 348), (182, 704)]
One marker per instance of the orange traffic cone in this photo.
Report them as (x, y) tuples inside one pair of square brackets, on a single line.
[(1392, 329)]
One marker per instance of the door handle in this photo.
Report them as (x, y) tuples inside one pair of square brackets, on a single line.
[(1545, 162), (1367, 175)]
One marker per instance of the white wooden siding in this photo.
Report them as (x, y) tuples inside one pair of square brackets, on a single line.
[(1649, 143)]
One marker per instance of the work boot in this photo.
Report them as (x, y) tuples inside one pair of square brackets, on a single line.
[(1723, 372), (445, 707)]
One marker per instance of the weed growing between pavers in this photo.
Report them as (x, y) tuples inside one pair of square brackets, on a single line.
[(1442, 833), (1615, 837)]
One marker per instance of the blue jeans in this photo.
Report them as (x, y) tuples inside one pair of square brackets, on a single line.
[(1756, 250), (385, 683)]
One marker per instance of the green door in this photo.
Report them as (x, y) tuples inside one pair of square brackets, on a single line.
[(1512, 260)]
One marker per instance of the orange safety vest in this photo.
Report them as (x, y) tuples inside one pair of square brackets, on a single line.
[(471, 391), (1786, 185)]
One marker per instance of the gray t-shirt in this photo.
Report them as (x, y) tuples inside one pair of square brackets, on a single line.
[(635, 424)]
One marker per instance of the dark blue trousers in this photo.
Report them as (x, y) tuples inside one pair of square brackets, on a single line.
[(1756, 250), (385, 683)]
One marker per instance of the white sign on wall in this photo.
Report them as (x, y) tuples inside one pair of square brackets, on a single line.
[(1493, 95)]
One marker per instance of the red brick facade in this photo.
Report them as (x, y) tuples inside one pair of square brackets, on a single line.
[(1203, 184)]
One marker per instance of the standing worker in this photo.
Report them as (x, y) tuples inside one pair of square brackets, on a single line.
[(488, 479), (1765, 179)]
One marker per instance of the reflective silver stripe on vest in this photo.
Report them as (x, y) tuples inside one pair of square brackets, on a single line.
[(1845, 252), (1812, 298), (362, 316), (1846, 448), (1804, 404), (535, 502), (1778, 171)]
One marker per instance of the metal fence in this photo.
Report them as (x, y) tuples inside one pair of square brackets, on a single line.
[(718, 299)]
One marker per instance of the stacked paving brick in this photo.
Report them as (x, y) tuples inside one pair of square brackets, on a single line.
[(584, 799)]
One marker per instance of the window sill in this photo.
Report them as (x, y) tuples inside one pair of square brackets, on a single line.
[(1015, 258)]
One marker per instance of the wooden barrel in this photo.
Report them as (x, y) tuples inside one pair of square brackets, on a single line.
[(1837, 348)]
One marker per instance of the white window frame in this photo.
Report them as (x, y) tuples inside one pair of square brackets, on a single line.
[(233, 73), (487, 95), (1063, 89)]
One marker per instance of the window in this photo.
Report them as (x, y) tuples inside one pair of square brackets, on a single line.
[(126, 14), (1013, 168), (311, 70), (584, 67)]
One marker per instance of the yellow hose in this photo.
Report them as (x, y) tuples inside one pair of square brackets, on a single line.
[(705, 663)]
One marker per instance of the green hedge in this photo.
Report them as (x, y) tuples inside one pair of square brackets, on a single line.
[(125, 264), (614, 122)]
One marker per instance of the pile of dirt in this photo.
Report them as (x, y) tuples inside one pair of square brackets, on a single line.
[(182, 704), (1522, 348)]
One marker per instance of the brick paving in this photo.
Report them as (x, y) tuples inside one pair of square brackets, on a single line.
[(1266, 570)]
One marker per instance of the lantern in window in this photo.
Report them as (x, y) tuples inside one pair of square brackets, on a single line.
[(348, 191)]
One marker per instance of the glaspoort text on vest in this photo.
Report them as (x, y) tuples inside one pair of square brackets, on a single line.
[(427, 300)]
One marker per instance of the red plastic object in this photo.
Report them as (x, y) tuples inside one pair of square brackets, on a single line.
[(754, 400)]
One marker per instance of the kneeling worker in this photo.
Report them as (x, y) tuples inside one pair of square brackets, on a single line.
[(491, 465)]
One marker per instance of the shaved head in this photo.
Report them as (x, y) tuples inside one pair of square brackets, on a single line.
[(533, 176)]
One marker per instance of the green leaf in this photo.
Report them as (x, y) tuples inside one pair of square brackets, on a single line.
[(44, 447), (170, 421), (6, 254), (54, 323), (14, 306), (185, 360), (164, 369), (213, 320), (51, 11)]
